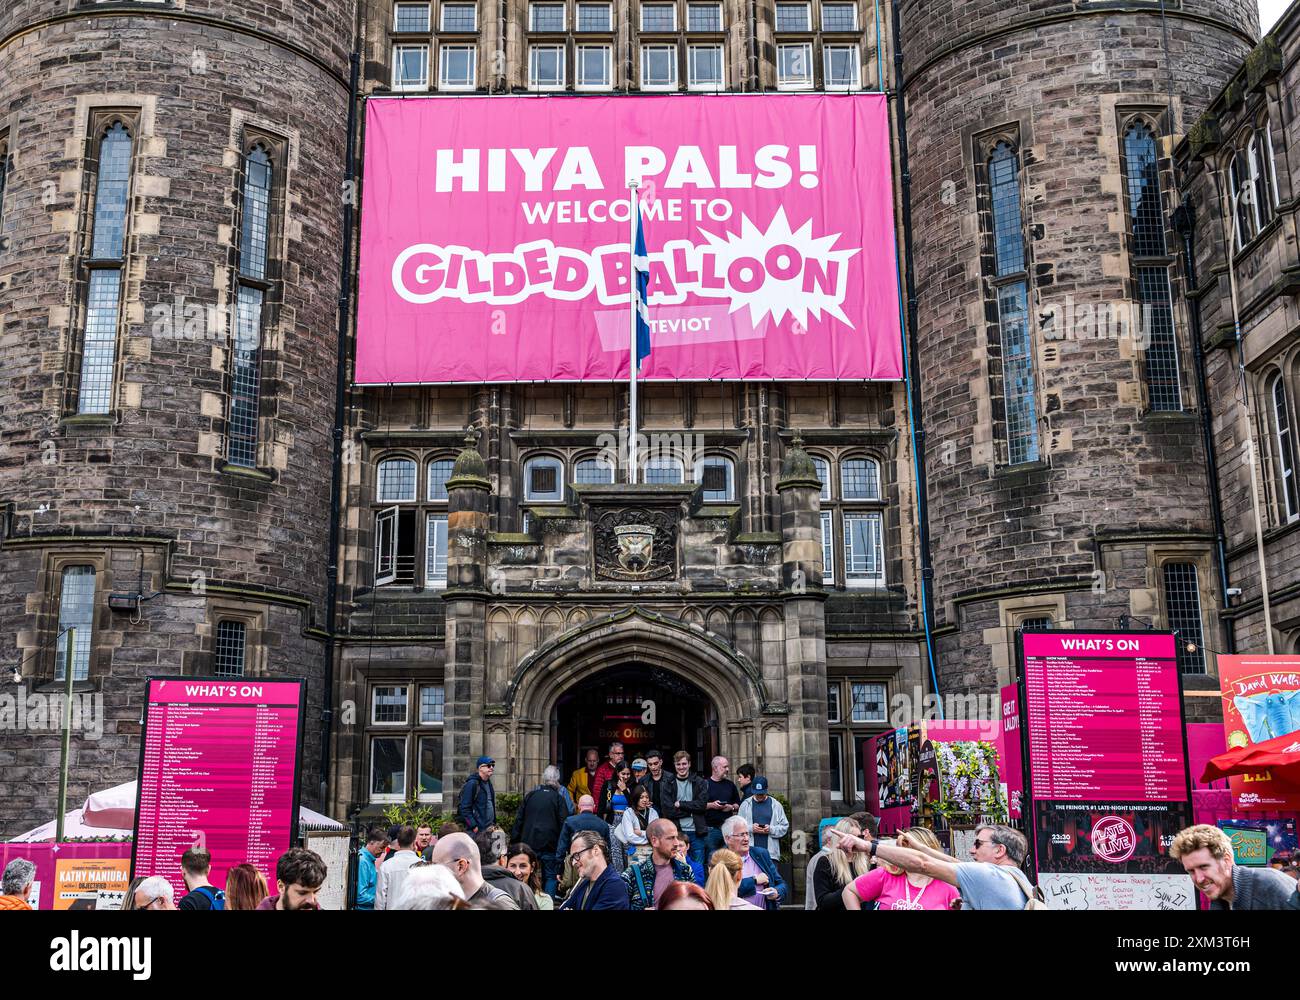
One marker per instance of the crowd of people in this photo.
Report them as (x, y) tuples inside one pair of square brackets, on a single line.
[(634, 836)]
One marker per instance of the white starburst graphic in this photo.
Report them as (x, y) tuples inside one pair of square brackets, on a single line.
[(816, 286)]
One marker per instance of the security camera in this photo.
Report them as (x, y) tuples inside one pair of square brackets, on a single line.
[(1233, 592)]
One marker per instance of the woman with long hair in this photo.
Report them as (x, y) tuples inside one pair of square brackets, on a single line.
[(525, 865), (632, 829), (891, 888), (684, 896), (835, 869), (245, 888), (725, 872), (614, 796)]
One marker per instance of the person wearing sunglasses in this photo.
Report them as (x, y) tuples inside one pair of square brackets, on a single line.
[(599, 887), (153, 893)]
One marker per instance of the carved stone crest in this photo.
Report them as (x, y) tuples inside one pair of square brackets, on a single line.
[(635, 544)]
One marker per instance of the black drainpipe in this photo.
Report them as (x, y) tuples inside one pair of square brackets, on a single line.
[(909, 270), (1184, 220), (340, 416)]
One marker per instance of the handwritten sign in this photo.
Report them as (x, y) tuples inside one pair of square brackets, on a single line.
[(1117, 892)]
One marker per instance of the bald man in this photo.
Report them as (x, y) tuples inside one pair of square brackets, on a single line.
[(584, 819), (647, 881), (458, 853)]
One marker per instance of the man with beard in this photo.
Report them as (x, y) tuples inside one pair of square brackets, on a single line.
[(1206, 854), (299, 874)]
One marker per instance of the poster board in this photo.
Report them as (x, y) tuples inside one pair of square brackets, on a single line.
[(219, 768), (70, 875)]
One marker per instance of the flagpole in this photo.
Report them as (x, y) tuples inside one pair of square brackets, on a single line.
[(633, 211)]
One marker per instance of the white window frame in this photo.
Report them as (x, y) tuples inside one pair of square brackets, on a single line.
[(472, 49), (433, 732), (805, 83), (442, 21), (726, 463), (657, 6), (379, 480), (387, 516), (533, 9), (428, 479), (717, 7), (828, 547), (712, 85), (851, 6), (541, 461), (660, 462), (823, 465), (374, 704), (856, 82), (1286, 445), (578, 83), (432, 579), (646, 49), (404, 87), (852, 579), (609, 18), (437, 724), (776, 18), (372, 795), (834, 692), (428, 19), (532, 76), (837, 752), (883, 701)]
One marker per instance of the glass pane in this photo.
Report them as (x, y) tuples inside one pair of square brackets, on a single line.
[(246, 379), (99, 345), (1018, 387), (547, 67), (823, 468), (839, 17), (706, 65), (411, 17), (594, 17), (548, 17), (593, 71), (110, 194), (862, 546), (704, 17), (388, 766), (390, 704), (432, 703), (411, 66), (841, 65), (716, 477), (1164, 385), (458, 66), (1285, 448), (76, 611), (794, 64), (1145, 214), (1183, 599), (593, 470), (833, 702), (793, 17), (658, 17), (431, 765), (439, 473), (459, 17), (658, 66), (663, 470), (257, 213), (435, 565), (860, 479), (837, 765), (868, 702), (828, 547), (542, 479), (229, 658), (396, 480), (1004, 191)]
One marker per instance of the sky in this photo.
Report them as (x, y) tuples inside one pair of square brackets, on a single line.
[(1270, 11)]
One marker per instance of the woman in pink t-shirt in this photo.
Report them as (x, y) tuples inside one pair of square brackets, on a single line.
[(891, 888)]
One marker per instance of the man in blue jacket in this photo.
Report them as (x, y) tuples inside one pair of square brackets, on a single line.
[(599, 886), (760, 882), (584, 819), (478, 800), (376, 843)]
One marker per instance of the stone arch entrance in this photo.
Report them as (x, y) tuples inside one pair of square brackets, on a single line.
[(654, 649)]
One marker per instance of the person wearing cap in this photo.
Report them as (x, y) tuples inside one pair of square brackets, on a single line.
[(478, 800), (766, 818)]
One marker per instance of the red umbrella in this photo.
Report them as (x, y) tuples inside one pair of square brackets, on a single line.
[(1280, 756)]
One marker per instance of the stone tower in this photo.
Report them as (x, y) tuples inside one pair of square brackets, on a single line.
[(1065, 471), (170, 283)]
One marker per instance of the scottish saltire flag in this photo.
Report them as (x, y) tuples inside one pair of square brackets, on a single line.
[(641, 267)]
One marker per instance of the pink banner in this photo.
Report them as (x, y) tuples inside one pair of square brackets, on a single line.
[(74, 875), (218, 771), (1261, 702), (495, 238)]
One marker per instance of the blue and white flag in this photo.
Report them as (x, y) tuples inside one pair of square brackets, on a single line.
[(641, 268)]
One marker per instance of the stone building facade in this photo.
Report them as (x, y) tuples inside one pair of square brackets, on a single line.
[(767, 603), (1240, 183)]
